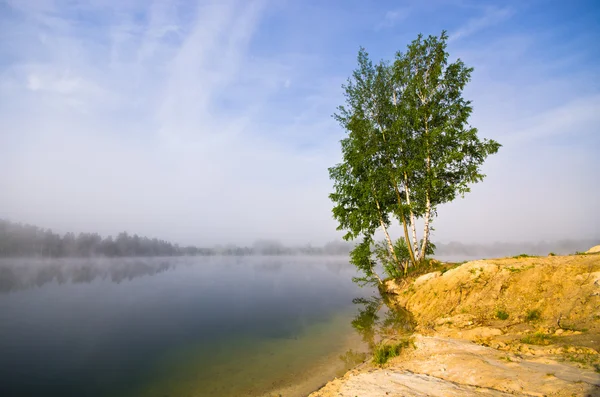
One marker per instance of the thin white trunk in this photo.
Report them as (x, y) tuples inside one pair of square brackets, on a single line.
[(412, 221), (390, 245), (427, 211), (387, 237), (426, 227)]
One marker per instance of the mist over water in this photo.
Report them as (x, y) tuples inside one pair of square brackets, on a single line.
[(122, 326)]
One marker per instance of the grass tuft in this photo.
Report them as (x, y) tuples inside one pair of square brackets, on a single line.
[(539, 338), (383, 352), (533, 315)]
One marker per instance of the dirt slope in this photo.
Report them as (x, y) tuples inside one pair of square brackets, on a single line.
[(564, 291)]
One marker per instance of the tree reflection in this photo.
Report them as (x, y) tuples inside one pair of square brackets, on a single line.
[(20, 275), (377, 320)]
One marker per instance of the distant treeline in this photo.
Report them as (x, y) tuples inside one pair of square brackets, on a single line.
[(21, 240)]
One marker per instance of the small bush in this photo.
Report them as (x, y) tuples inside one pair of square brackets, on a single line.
[(533, 315), (580, 253), (552, 254), (539, 338), (501, 314), (383, 352), (522, 256)]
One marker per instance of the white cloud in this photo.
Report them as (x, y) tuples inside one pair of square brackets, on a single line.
[(490, 17), (392, 17)]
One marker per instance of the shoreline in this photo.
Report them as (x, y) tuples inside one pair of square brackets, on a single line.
[(461, 347)]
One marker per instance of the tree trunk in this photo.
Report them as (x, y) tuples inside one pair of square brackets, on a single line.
[(377, 277), (387, 237), (403, 218), (427, 201), (412, 221), (426, 227)]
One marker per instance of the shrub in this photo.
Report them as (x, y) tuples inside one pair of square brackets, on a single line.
[(533, 315), (522, 256), (501, 314), (552, 254)]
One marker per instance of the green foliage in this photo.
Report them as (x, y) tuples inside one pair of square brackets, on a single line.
[(388, 261), (384, 351), (551, 254), (523, 256), (538, 338), (409, 148), (533, 315), (501, 314), (360, 257)]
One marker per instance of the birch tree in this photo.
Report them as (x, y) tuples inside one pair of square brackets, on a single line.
[(447, 153), (409, 148)]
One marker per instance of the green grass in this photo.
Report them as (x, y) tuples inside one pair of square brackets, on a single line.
[(384, 351), (513, 269), (539, 338), (574, 328), (587, 359), (501, 314), (533, 315), (580, 253), (523, 256)]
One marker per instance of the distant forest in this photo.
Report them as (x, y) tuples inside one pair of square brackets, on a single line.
[(22, 240)]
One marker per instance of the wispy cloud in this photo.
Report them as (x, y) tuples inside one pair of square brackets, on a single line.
[(392, 17), (491, 16)]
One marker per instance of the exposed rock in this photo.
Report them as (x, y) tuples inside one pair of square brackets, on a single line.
[(593, 250), (451, 367)]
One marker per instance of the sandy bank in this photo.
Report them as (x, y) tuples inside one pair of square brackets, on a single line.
[(524, 326)]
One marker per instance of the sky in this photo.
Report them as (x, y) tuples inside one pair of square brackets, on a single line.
[(210, 122)]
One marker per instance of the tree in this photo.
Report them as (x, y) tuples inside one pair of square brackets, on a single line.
[(409, 148)]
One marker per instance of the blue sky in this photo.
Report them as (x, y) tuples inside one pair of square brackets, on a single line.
[(210, 122)]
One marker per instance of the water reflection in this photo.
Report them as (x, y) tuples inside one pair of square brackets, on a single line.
[(22, 274), (376, 320)]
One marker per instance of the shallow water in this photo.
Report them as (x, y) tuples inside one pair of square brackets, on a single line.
[(220, 326)]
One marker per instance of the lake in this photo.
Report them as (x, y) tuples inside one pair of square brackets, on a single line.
[(186, 326)]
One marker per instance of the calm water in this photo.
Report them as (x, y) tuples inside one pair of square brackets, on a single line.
[(178, 326)]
